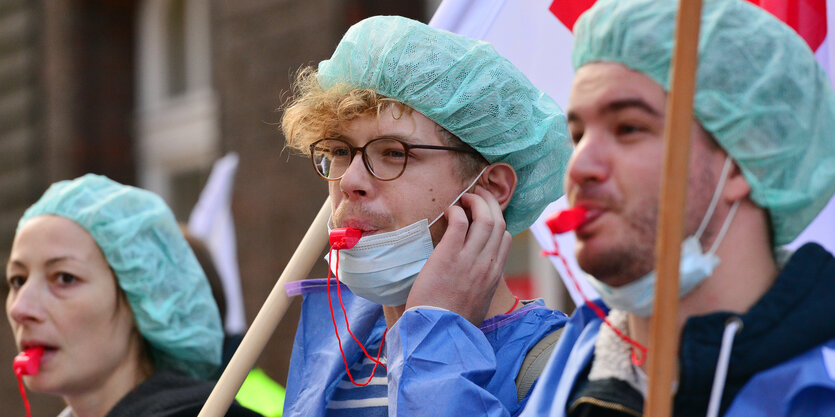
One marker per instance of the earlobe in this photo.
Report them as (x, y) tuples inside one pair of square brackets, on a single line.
[(737, 186), (500, 179)]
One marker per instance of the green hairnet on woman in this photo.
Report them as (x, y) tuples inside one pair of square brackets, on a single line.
[(101, 279)]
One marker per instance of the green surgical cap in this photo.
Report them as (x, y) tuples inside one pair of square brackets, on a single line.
[(466, 87), (167, 290), (760, 92)]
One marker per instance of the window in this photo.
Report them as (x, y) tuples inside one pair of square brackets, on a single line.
[(176, 112)]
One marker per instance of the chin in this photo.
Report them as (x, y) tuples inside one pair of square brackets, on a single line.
[(612, 266), (41, 384), (587, 255)]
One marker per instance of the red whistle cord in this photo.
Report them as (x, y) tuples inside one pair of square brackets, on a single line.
[(637, 359), (344, 313), (19, 375), (514, 305), (26, 363)]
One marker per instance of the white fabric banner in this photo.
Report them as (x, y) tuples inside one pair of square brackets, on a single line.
[(211, 220)]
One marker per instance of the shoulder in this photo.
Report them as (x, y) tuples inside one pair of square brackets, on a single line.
[(534, 318), (169, 394), (572, 354)]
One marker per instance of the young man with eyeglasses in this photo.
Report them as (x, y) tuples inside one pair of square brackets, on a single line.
[(436, 149)]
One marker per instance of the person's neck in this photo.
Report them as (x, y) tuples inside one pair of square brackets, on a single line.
[(97, 401), (502, 300), (746, 271)]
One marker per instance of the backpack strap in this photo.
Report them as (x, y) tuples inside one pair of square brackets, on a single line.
[(534, 363)]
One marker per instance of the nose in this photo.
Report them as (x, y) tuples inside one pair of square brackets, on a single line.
[(24, 304), (590, 161), (356, 181)]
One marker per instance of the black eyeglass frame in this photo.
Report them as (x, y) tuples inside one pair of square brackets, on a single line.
[(406, 147)]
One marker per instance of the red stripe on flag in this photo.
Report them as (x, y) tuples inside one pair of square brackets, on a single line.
[(568, 11), (806, 17)]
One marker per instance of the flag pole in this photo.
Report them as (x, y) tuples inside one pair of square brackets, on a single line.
[(679, 119), (271, 313)]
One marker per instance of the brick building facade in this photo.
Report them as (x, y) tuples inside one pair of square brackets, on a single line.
[(107, 86)]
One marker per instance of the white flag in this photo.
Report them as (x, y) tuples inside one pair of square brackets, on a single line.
[(211, 221)]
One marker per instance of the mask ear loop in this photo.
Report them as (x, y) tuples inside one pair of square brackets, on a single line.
[(460, 195), (725, 226), (345, 314), (712, 206), (715, 199)]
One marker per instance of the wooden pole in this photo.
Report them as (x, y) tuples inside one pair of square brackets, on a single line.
[(679, 119), (268, 317)]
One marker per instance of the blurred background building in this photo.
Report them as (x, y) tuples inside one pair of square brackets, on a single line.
[(151, 93)]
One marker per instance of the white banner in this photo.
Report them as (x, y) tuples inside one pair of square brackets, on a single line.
[(211, 220)]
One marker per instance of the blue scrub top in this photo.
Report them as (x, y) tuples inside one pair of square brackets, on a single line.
[(438, 362)]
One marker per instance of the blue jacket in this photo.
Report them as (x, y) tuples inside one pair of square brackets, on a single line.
[(782, 362), (439, 364)]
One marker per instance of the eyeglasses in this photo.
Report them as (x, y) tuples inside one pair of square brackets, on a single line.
[(384, 158)]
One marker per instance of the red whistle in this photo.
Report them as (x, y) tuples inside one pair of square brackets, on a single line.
[(344, 237), (28, 362), (566, 220)]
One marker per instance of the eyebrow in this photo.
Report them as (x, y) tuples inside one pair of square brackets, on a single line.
[(15, 263), (408, 139), (49, 262), (618, 105), (53, 261)]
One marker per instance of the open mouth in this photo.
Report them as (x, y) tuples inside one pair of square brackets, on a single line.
[(365, 228), (586, 229), (47, 349)]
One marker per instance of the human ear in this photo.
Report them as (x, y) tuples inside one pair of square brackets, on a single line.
[(736, 186), (500, 180)]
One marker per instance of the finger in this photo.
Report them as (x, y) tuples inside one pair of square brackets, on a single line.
[(496, 209), (494, 224), (483, 254), (456, 230), (481, 227)]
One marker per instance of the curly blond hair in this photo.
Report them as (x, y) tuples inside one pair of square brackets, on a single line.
[(313, 113)]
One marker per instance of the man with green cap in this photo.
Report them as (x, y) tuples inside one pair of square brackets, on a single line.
[(436, 149), (762, 165)]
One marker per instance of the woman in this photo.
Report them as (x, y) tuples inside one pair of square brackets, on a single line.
[(101, 277)]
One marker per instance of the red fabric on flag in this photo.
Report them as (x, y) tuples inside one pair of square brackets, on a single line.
[(806, 17), (568, 11)]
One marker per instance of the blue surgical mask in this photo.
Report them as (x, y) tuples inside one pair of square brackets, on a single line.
[(694, 266), (382, 268)]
